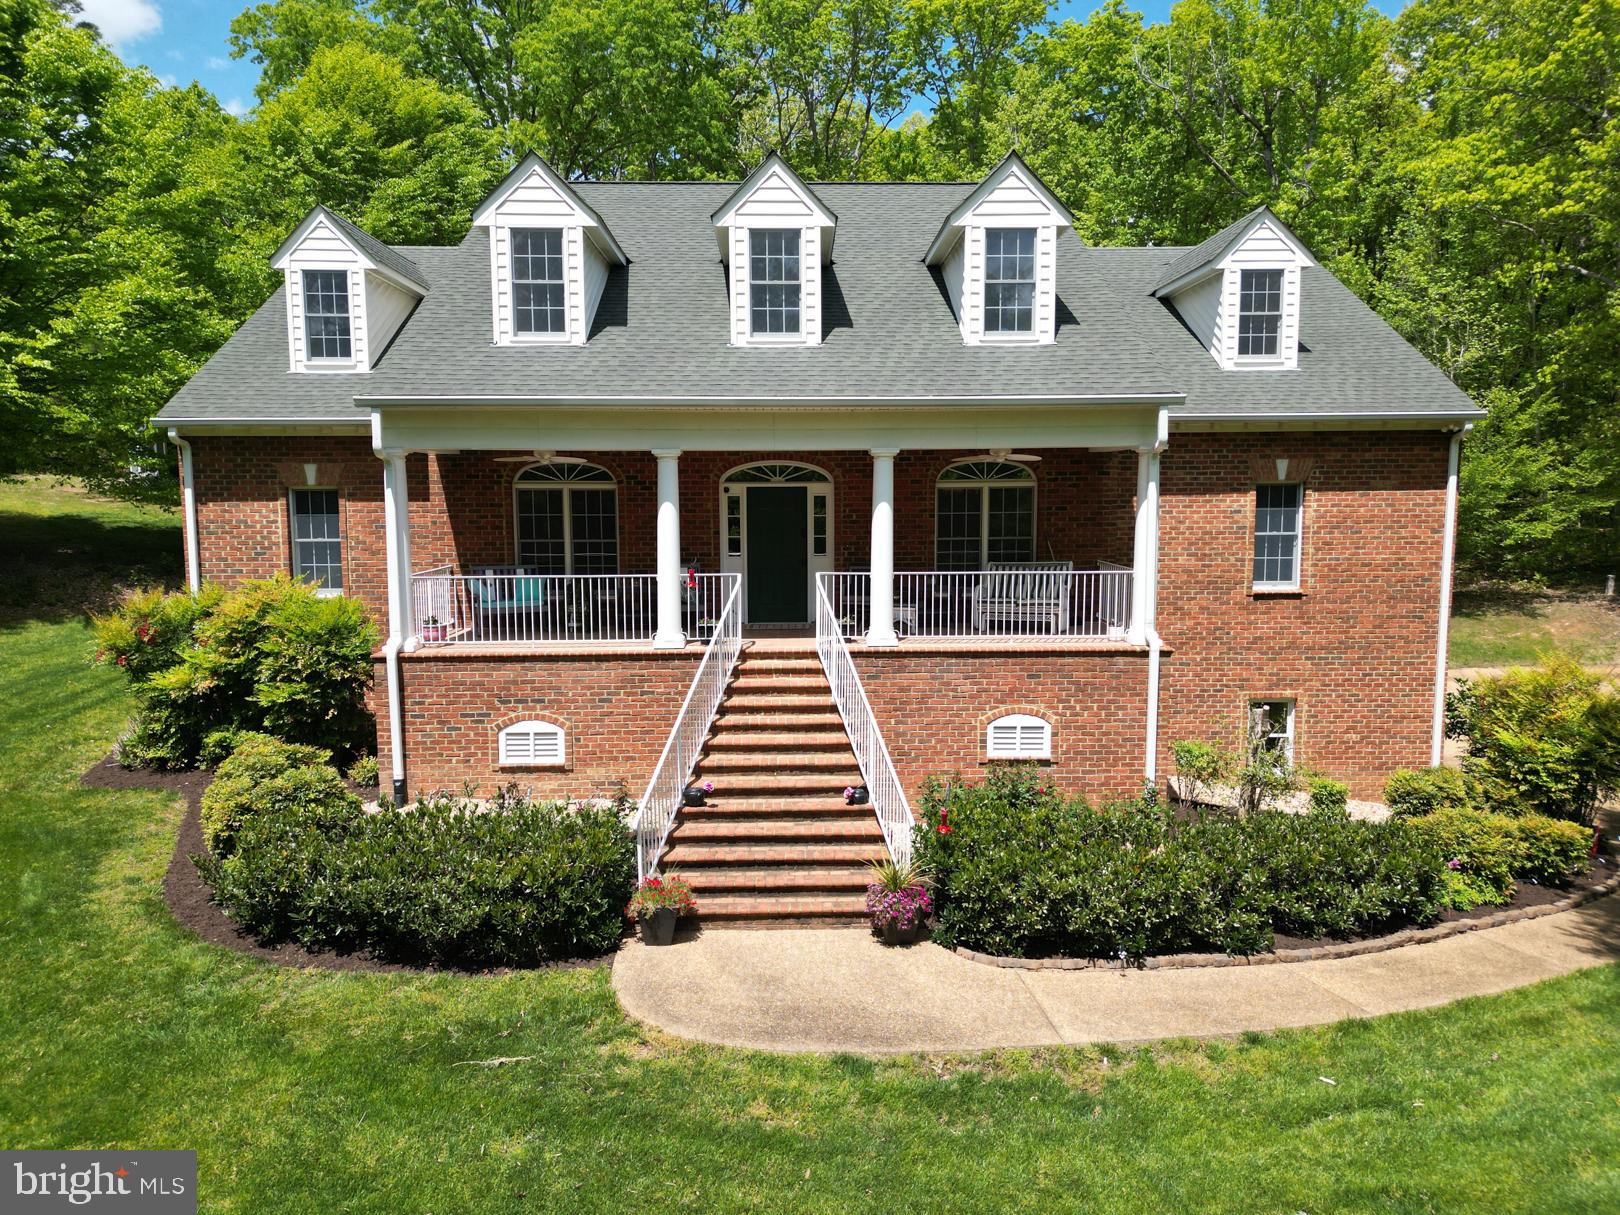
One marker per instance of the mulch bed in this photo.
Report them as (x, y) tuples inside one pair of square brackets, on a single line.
[(191, 901)]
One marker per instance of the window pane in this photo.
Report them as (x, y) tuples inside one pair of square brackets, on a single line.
[(317, 548), (595, 520), (1276, 534), (1273, 722), (1259, 311), (1012, 524), (1009, 280), (326, 314), (539, 301), (956, 544), (774, 283), (540, 531)]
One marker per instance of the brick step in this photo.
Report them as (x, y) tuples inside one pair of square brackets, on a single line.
[(777, 760), (761, 829), (842, 878), (768, 782), (781, 740), (679, 857), (783, 665), (778, 702), (735, 722), (802, 685), (851, 907), (735, 806)]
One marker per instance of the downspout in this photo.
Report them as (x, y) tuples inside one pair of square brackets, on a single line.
[(391, 647), (188, 508), (1151, 615), (1448, 552)]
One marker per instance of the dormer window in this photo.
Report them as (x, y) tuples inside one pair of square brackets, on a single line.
[(326, 314), (538, 287), (1259, 313), (773, 281), (1009, 280)]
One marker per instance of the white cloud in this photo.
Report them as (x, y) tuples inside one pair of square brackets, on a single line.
[(236, 106), (218, 63), (123, 21)]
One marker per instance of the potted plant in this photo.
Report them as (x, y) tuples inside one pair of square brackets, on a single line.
[(857, 795), (898, 900), (433, 630), (657, 903), (693, 796)]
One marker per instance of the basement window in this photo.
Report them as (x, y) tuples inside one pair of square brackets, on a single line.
[(532, 744), (1018, 736)]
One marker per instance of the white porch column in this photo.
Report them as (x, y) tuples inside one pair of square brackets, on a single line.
[(880, 632), (1145, 555), (669, 635)]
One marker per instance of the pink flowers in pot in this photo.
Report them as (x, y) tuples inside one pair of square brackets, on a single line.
[(898, 900)]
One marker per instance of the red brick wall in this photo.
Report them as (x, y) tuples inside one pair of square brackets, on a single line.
[(1355, 647), (933, 708), (616, 713)]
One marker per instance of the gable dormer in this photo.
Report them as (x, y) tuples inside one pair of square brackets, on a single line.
[(549, 257), (347, 293), (1239, 293), (775, 236), (997, 253)]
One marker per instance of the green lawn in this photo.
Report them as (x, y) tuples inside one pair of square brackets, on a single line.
[(1496, 626), (314, 1092)]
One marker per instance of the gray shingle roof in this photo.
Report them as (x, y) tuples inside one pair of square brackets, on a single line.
[(1201, 254), (385, 256), (661, 331)]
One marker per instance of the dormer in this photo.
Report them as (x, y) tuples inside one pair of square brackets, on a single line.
[(347, 293), (1239, 293), (549, 257), (775, 236), (997, 253)]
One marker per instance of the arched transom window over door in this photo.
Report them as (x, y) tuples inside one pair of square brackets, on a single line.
[(567, 519), (984, 511)]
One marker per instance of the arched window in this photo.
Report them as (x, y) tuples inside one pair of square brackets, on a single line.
[(1018, 736), (984, 511), (532, 744), (567, 519)]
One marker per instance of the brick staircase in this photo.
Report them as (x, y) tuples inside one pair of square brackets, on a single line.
[(775, 843)]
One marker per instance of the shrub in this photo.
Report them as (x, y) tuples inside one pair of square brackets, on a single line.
[(1020, 870), (1425, 790), (1549, 851), (1477, 852), (1544, 739), (1203, 764), (219, 744), (363, 772), (1328, 796), (264, 774), (439, 882), (271, 656)]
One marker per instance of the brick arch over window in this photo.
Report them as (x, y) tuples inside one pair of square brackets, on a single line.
[(516, 722), (1045, 713)]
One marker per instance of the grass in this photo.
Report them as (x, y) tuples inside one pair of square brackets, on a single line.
[(311, 1091), (1497, 626)]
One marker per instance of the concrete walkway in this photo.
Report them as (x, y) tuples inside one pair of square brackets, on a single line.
[(841, 990)]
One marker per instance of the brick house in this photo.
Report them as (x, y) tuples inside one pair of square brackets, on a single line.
[(802, 488)]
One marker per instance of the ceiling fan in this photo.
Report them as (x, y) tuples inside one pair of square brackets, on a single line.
[(1003, 453), (540, 457)]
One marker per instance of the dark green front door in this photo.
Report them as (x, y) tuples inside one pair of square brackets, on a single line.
[(778, 569)]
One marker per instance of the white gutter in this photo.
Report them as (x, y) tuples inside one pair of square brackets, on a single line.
[(759, 402), (1151, 768), (188, 507), (391, 647), (1151, 616), (1448, 549)]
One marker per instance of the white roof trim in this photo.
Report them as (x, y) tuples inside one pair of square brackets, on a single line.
[(1011, 165), (823, 217), (1217, 261), (534, 164), (335, 223)]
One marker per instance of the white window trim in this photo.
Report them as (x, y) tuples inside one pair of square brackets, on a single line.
[(563, 336), (758, 337), (336, 362), (321, 592), (546, 729), (1287, 733), (994, 337), (1299, 539), (567, 515), (1019, 723), (1280, 358), (984, 487)]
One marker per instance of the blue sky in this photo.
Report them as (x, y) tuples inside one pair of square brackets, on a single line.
[(186, 40)]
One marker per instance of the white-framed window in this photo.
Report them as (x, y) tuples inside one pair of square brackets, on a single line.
[(774, 282), (1018, 736), (1272, 721), (326, 315), (317, 537), (1009, 280), (984, 511), (539, 290), (532, 744), (1278, 511), (1259, 313), (567, 519)]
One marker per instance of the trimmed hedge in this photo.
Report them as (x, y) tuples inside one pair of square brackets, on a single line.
[(1425, 790), (265, 775), (1020, 870), (521, 883), (1485, 852)]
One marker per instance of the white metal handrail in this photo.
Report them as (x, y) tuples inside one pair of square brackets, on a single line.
[(510, 603), (888, 796), (655, 814), (1009, 602)]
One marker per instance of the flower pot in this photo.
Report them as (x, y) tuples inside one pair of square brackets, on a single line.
[(432, 633), (693, 796), (658, 927), (859, 796), (894, 934)]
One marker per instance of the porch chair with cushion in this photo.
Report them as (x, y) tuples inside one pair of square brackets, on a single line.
[(1015, 594)]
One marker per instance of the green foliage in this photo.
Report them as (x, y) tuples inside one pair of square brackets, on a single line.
[(1020, 870), (1425, 790), (262, 775), (1485, 852), (363, 772), (521, 883), (270, 656), (1205, 764), (1549, 851), (1327, 796), (1543, 739)]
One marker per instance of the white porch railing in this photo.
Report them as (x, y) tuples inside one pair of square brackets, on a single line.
[(1004, 603), (656, 811), (507, 603), (888, 796)]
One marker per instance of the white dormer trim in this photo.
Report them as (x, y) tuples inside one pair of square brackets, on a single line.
[(1207, 296), (774, 197), (534, 195), (380, 298), (1011, 197)]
